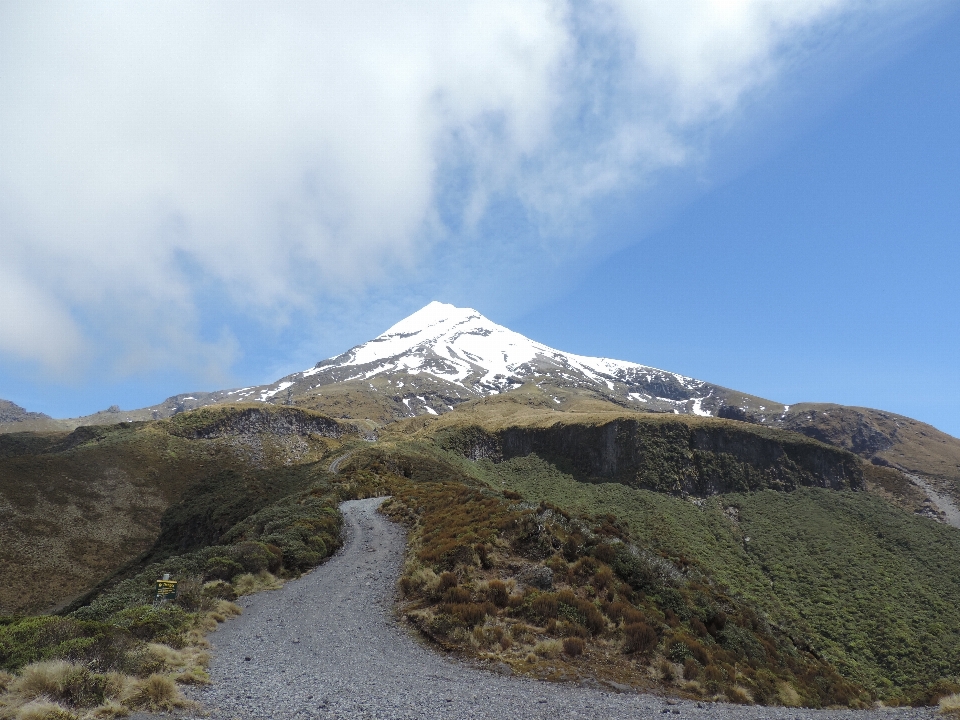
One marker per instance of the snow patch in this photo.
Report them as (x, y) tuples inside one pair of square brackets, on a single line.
[(267, 394), (697, 408)]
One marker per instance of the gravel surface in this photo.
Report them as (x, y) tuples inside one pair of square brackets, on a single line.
[(327, 646)]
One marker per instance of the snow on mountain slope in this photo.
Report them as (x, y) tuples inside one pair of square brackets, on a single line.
[(463, 347), (443, 355)]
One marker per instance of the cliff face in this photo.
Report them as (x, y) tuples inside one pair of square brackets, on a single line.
[(676, 456), (251, 421)]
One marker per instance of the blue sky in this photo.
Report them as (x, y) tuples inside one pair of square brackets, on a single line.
[(829, 271), (761, 195)]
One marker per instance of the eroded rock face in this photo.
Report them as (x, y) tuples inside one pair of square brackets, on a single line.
[(674, 456), (845, 427), (288, 421)]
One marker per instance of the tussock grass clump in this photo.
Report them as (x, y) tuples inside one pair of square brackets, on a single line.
[(60, 681), (498, 593), (457, 594), (469, 613), (248, 583), (639, 638), (573, 646), (950, 705), (44, 710), (156, 692), (739, 695), (548, 648)]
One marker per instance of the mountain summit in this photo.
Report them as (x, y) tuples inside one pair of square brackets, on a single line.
[(442, 355)]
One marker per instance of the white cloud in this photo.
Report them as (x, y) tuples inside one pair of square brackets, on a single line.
[(287, 151), (34, 326)]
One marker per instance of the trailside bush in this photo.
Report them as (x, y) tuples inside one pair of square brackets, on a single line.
[(62, 681), (222, 568), (35, 639), (639, 637), (498, 593), (580, 611), (164, 623), (544, 606), (471, 614)]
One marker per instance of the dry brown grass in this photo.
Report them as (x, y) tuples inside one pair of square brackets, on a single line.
[(950, 706), (248, 583), (43, 710), (548, 648), (157, 692)]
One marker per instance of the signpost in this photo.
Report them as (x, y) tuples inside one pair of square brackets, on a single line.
[(166, 589)]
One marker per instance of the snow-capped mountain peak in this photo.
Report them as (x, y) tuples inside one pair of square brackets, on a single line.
[(459, 347), (443, 355)]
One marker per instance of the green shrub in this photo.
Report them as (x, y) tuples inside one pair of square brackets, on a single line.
[(252, 556), (222, 568), (678, 652), (35, 639), (163, 623), (580, 611)]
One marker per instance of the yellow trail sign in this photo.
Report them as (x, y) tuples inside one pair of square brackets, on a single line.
[(166, 590)]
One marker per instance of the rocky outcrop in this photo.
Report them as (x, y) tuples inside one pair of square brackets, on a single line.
[(676, 455), (11, 412), (850, 428), (251, 421)]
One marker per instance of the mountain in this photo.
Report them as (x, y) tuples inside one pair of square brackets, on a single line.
[(568, 516), (443, 355)]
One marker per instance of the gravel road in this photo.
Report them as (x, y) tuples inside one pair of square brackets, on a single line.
[(327, 646)]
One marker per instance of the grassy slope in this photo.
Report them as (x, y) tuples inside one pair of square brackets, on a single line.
[(875, 591), (78, 506)]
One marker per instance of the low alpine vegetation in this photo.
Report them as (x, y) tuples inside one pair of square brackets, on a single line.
[(575, 596), (122, 652)]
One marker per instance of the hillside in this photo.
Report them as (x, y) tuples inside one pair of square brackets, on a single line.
[(710, 557), (568, 516), (79, 505), (846, 574), (885, 439), (443, 356)]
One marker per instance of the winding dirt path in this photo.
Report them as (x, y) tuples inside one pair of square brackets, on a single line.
[(326, 646)]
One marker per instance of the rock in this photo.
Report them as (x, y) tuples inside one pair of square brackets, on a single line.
[(538, 576)]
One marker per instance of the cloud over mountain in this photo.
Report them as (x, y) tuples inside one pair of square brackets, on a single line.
[(155, 155)]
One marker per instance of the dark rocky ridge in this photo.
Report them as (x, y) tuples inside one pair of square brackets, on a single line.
[(285, 421), (676, 456), (11, 412)]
